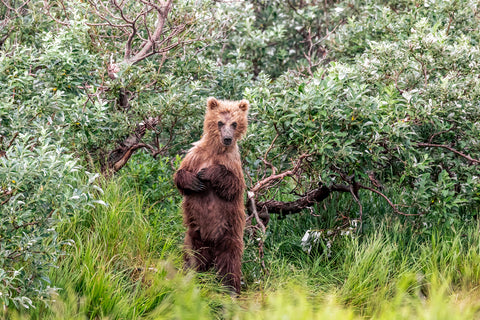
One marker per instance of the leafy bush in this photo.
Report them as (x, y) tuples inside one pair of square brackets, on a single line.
[(42, 182), (401, 112), (41, 185)]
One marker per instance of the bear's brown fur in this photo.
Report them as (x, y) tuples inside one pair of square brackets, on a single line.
[(211, 180)]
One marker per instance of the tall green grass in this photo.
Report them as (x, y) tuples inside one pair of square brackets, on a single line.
[(126, 264)]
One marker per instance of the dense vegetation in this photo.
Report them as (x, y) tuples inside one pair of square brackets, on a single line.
[(361, 160)]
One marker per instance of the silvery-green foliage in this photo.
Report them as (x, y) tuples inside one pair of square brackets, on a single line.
[(41, 186), (273, 36), (41, 181), (404, 76)]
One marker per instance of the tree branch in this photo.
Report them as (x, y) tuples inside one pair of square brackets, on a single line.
[(424, 70), (12, 8), (290, 207), (394, 206), (16, 227), (118, 162), (262, 184), (441, 132), (253, 207), (8, 194), (433, 145), (120, 155), (316, 196), (163, 12)]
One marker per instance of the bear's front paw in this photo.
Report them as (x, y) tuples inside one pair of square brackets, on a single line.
[(202, 174), (221, 169), (198, 186), (218, 171)]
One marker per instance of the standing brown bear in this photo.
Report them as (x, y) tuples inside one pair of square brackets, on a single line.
[(211, 180)]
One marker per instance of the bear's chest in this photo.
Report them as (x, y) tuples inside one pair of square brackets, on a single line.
[(206, 161), (204, 164)]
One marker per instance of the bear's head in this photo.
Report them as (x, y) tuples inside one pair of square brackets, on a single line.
[(225, 121)]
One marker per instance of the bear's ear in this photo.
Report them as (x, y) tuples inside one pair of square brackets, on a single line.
[(212, 103), (243, 105)]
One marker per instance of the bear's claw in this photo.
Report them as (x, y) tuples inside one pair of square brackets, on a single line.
[(202, 174), (198, 186)]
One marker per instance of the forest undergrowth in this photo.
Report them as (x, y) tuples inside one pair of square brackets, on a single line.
[(127, 264)]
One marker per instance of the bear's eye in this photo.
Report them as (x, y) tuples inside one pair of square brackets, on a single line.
[(234, 125), (220, 124)]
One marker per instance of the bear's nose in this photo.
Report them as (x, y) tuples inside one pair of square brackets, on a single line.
[(227, 141)]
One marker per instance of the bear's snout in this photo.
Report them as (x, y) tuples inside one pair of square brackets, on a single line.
[(227, 141)]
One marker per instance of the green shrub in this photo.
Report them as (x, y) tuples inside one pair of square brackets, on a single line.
[(399, 107), (41, 185), (41, 181)]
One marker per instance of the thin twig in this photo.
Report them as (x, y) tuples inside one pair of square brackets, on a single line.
[(264, 159), (33, 222), (162, 17), (12, 140), (433, 145), (251, 199), (357, 200), (452, 14), (7, 194), (16, 10), (439, 133), (397, 75), (424, 69), (394, 206)]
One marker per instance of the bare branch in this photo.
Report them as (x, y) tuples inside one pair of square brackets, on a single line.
[(441, 132), (128, 44), (162, 12), (12, 140), (120, 9), (7, 34), (264, 159), (310, 54), (119, 163), (290, 207), (93, 4), (354, 192), (397, 75), (252, 206), (120, 155), (8, 194), (424, 70), (17, 9), (394, 206), (47, 7), (316, 196), (432, 145), (262, 184), (452, 15)]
